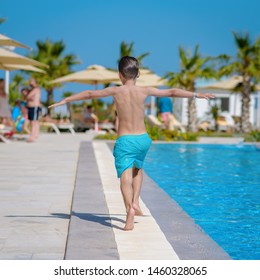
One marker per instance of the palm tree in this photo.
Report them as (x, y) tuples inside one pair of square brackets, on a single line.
[(2, 20), (14, 88), (51, 53), (69, 107), (246, 64), (127, 49), (193, 66)]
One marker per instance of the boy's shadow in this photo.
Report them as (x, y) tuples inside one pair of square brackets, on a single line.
[(102, 219)]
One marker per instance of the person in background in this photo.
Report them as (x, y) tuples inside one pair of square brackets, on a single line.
[(5, 112), (89, 116), (24, 110), (33, 104), (165, 110)]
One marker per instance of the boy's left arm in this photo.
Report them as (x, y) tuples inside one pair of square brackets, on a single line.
[(177, 92)]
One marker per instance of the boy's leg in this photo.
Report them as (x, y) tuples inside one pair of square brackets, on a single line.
[(126, 181), (137, 185)]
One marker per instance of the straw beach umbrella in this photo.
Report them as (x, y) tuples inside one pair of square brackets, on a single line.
[(228, 84), (231, 84), (149, 79), (9, 43), (10, 67), (93, 75), (8, 57), (6, 41)]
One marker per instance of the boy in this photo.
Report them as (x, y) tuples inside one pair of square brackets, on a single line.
[(133, 142)]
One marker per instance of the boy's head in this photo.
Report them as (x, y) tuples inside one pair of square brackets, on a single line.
[(128, 67)]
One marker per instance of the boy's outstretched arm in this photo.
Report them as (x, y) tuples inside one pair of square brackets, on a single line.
[(87, 94), (177, 92)]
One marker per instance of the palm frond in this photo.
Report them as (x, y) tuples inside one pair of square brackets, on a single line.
[(2, 20), (183, 57), (242, 40), (142, 56)]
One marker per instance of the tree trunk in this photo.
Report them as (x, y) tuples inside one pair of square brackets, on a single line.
[(245, 125), (50, 100), (69, 110), (192, 113)]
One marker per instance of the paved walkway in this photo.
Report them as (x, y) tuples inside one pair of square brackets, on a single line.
[(60, 198), (36, 185)]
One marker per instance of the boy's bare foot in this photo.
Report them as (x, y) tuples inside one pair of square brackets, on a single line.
[(138, 211), (30, 140), (129, 225)]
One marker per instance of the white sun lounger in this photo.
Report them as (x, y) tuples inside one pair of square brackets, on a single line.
[(57, 127), (3, 130)]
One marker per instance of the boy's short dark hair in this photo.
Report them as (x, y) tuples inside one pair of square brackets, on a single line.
[(128, 66)]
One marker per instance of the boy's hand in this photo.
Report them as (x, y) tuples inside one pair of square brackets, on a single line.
[(205, 96), (62, 102)]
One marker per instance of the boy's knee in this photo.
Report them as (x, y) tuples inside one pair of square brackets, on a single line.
[(126, 178)]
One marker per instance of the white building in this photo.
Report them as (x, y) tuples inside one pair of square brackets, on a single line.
[(226, 100)]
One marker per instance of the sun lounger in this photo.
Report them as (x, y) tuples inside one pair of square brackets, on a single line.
[(50, 125), (174, 123), (3, 131), (68, 126), (57, 127), (153, 121)]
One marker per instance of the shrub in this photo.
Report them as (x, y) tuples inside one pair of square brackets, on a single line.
[(107, 136), (253, 136), (158, 134)]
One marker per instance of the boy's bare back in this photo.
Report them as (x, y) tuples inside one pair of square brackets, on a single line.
[(130, 105)]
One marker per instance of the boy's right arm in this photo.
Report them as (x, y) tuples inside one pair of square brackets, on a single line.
[(87, 94), (177, 92)]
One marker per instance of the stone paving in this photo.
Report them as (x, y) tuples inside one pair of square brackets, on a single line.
[(36, 185)]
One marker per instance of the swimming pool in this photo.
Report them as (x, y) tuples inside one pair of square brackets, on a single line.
[(218, 186)]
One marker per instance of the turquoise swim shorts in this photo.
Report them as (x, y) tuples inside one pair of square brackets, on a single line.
[(130, 151)]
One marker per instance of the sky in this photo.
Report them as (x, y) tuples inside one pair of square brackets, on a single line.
[(94, 29)]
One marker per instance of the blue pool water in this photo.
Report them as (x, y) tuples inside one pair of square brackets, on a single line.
[(218, 186)]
